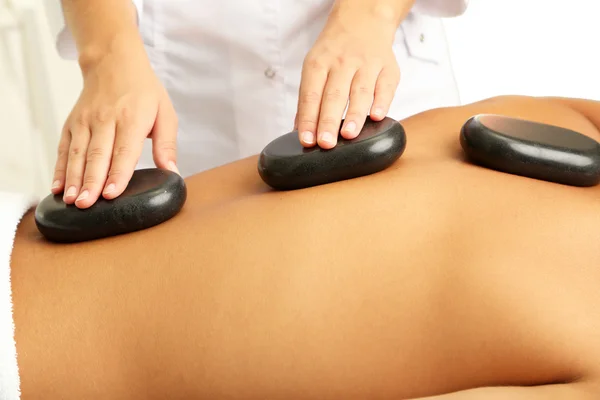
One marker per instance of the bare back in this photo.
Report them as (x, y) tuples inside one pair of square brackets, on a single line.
[(430, 277)]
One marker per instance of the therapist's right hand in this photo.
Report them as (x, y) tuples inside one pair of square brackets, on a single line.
[(121, 104)]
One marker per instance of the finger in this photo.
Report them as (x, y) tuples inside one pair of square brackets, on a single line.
[(164, 138), (335, 100), (80, 139), (60, 167), (126, 151), (314, 77), (361, 99), (385, 89), (98, 159)]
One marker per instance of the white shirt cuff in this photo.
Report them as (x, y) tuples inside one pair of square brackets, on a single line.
[(65, 44), (441, 8)]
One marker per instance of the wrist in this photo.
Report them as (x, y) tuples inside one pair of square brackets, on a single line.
[(390, 13), (125, 43), (101, 27)]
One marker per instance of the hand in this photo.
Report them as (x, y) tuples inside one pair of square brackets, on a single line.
[(121, 104), (351, 64)]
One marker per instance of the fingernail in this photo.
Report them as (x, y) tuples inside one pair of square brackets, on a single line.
[(350, 127), (327, 137), (72, 191), (378, 112), (83, 195), (109, 189), (308, 137), (56, 184), (173, 167)]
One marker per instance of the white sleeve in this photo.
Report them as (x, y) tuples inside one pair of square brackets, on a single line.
[(441, 8), (64, 40)]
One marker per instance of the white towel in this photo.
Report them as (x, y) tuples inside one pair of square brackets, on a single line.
[(12, 208)]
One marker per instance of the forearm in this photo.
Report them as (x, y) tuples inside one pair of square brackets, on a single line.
[(588, 108), (101, 26)]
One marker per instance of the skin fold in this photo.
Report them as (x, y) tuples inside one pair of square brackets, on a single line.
[(434, 277)]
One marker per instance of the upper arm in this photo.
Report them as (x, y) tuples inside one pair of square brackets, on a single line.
[(590, 109), (580, 115)]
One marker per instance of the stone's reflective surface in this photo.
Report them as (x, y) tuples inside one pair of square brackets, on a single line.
[(532, 149), (285, 164), (152, 197)]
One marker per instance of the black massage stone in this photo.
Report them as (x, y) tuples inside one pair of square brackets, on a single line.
[(532, 149), (284, 164), (152, 197)]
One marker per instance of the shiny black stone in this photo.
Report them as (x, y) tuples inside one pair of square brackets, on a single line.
[(532, 149), (284, 164), (152, 197)]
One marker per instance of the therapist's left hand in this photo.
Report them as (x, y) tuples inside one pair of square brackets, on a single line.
[(351, 64)]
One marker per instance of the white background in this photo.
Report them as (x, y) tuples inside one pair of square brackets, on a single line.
[(530, 47)]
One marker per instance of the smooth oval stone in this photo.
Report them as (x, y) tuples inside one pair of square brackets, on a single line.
[(152, 197), (284, 164), (532, 149)]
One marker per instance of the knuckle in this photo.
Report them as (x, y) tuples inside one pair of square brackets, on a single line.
[(333, 94), (79, 136), (102, 115), (361, 90), (73, 178), (76, 151), (391, 87), (59, 171), (310, 98), (90, 180), (121, 151), (315, 62), (95, 154), (115, 173), (127, 114), (387, 87), (341, 61), (328, 120), (170, 145), (81, 119), (345, 61), (63, 151)]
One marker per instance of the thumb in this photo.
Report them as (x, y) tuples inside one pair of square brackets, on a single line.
[(164, 137)]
